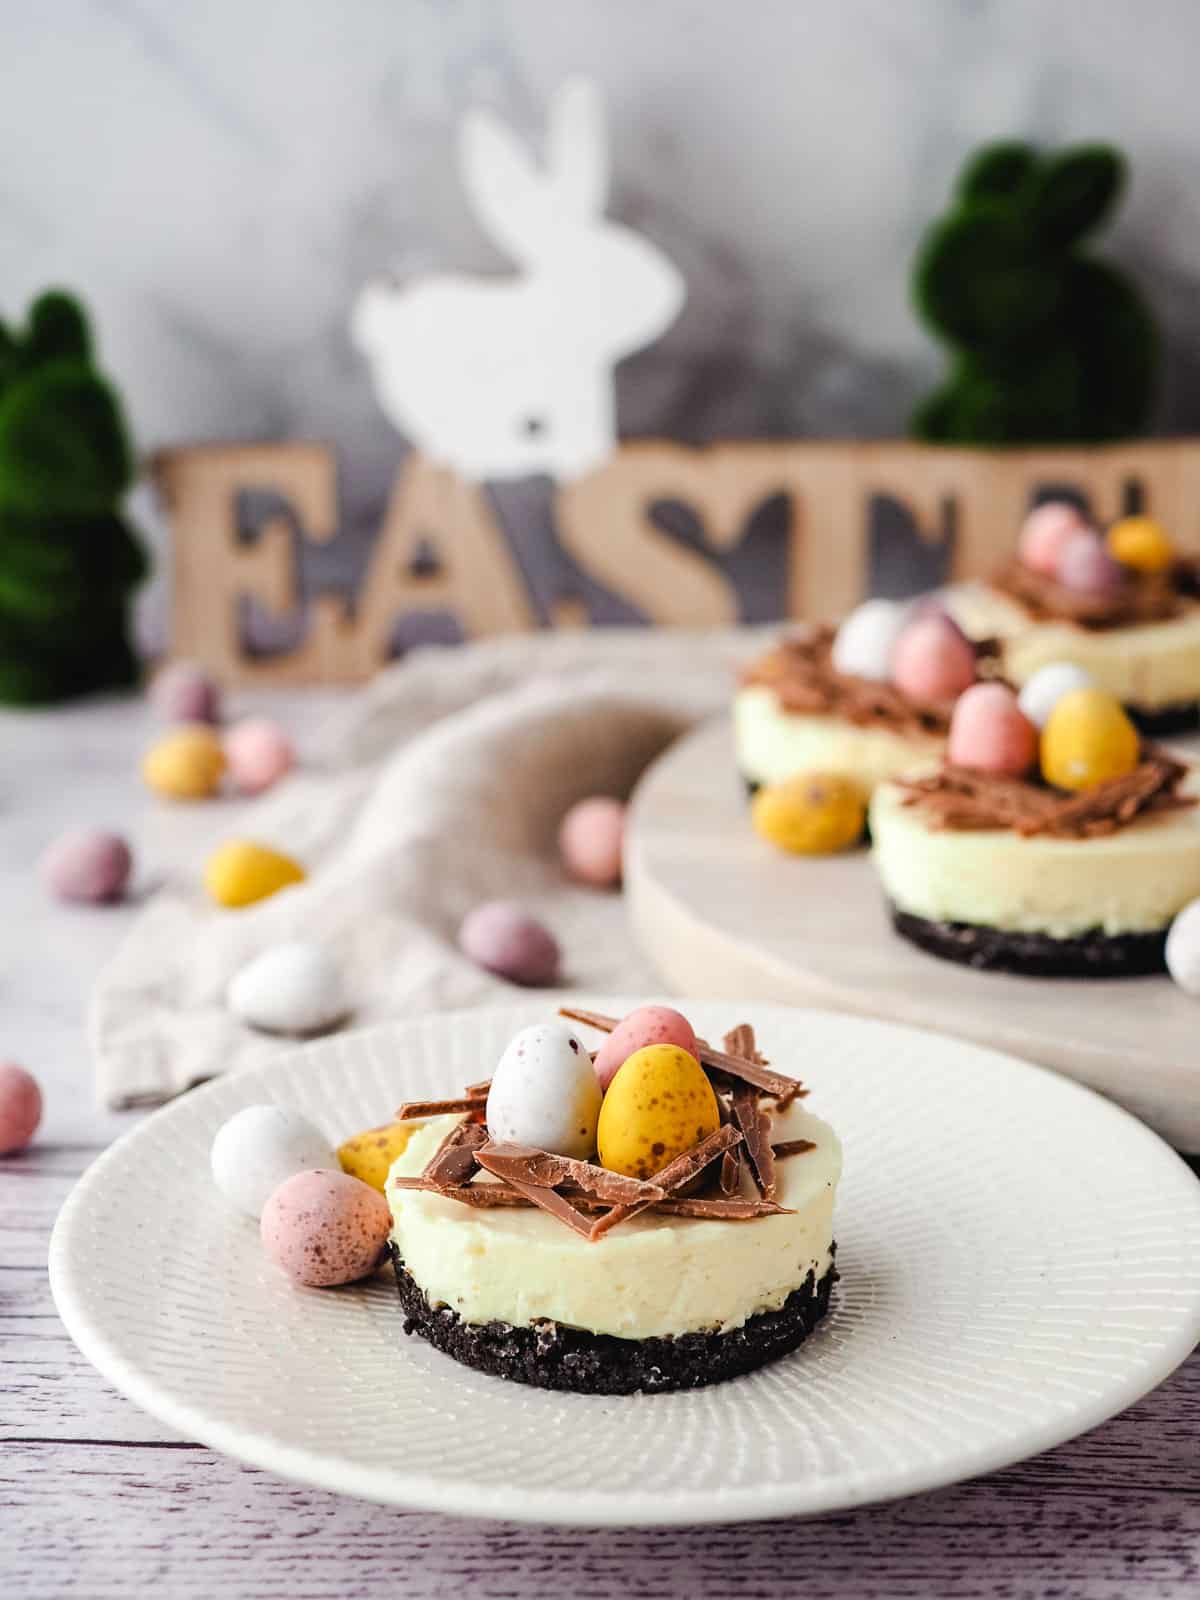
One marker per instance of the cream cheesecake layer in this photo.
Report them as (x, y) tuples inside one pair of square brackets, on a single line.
[(773, 744), (1131, 881), (1150, 667), (650, 1277)]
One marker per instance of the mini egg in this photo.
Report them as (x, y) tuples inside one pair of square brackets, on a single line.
[(1046, 532), (185, 764), (259, 1148), (1140, 543), (590, 840), (294, 988), (369, 1156), (184, 692), (933, 661), (88, 865), (325, 1228), (545, 1092), (503, 938), (20, 1107), (646, 1025), (239, 872), (259, 753), (863, 644), (1087, 740), (1046, 688), (990, 733), (1085, 566), (1183, 948), (812, 814), (659, 1104)]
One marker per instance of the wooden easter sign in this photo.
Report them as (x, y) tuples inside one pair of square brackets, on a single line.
[(443, 548)]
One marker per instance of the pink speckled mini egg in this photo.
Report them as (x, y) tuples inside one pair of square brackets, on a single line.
[(990, 733), (590, 841), (20, 1107), (502, 937), (1046, 532), (1085, 565), (259, 753), (646, 1025), (184, 692), (325, 1228), (933, 660), (87, 865)]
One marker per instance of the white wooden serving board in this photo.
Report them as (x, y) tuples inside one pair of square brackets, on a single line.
[(722, 913)]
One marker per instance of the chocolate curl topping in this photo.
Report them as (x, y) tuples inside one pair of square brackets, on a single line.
[(675, 1175), (454, 1161), (518, 1164), (740, 1041), (792, 1147), (490, 1196), (412, 1109), (756, 1130)]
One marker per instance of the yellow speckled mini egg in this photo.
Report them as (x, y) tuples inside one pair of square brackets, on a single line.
[(814, 814), (659, 1104), (240, 872), (1141, 543), (1087, 740), (185, 764), (369, 1156)]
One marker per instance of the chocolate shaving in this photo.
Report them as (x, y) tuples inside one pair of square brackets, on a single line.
[(756, 1131), (675, 1175), (490, 1196), (518, 1164), (1142, 597), (550, 1200), (792, 1147), (454, 1161), (961, 800), (721, 1210), (729, 1174), (412, 1109), (740, 1041)]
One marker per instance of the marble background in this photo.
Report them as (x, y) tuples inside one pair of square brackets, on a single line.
[(219, 178)]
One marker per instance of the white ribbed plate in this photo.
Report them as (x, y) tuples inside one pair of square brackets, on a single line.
[(1020, 1260)]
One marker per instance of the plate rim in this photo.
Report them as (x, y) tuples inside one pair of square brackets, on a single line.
[(548, 1506)]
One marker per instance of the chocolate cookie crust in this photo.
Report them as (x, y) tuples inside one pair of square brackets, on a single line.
[(1094, 954), (550, 1356)]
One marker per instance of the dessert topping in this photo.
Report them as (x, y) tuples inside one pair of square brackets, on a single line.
[(659, 1104), (863, 644), (990, 733), (646, 1025), (545, 1092), (1087, 740), (1046, 532), (1141, 543), (814, 813), (933, 661), (1046, 688)]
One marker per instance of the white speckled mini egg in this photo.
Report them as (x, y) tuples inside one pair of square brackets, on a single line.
[(261, 1147), (1046, 688), (862, 646), (545, 1093), (1183, 948), (294, 987)]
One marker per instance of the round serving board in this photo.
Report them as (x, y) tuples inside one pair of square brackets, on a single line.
[(720, 913)]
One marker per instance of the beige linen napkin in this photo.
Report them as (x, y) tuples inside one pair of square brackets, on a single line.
[(441, 785)]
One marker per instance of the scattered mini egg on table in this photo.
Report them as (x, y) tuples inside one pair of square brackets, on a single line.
[(240, 872), (291, 988), (814, 813), (259, 1148), (503, 938), (590, 841), (185, 764), (1183, 948), (368, 1156), (184, 692), (990, 733), (933, 660), (1141, 543), (863, 644), (259, 753), (647, 1025), (1045, 534), (1086, 566), (659, 1104), (20, 1107), (545, 1092), (89, 865), (1087, 740), (324, 1228), (1046, 688)]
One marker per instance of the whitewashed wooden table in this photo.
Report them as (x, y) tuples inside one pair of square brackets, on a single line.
[(98, 1500)]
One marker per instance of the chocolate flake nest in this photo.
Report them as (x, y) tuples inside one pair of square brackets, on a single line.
[(703, 1182), (1143, 597)]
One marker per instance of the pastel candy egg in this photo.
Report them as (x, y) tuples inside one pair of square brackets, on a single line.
[(1045, 534), (503, 938), (1086, 566), (369, 1156), (1140, 543), (295, 987), (240, 872), (813, 814), (1087, 740), (933, 660), (20, 1107), (545, 1092), (1183, 948), (1046, 688), (88, 865), (325, 1228), (647, 1025), (259, 753), (259, 1148), (184, 692), (659, 1104), (185, 764), (590, 840), (990, 733), (863, 644)]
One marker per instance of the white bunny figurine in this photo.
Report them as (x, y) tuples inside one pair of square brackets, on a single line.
[(507, 377)]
